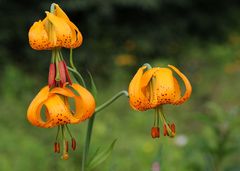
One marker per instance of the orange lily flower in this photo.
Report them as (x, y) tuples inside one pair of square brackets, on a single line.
[(55, 30), (152, 88), (58, 111)]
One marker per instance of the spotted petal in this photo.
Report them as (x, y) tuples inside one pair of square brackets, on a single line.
[(137, 99)]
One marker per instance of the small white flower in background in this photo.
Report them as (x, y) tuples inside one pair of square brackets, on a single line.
[(155, 166), (181, 140)]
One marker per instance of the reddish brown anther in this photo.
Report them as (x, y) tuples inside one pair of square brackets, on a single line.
[(173, 128), (66, 146), (67, 73), (165, 131), (73, 144), (56, 147), (155, 132), (51, 75), (62, 72)]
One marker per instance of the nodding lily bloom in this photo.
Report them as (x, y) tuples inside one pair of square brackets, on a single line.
[(55, 30), (51, 108), (151, 88)]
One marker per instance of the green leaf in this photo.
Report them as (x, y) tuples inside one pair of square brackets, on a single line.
[(93, 85), (100, 156)]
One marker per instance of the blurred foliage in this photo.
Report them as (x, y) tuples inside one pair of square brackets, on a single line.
[(201, 37)]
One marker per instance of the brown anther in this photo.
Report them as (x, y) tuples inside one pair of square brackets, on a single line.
[(165, 131), (51, 75), (67, 73), (62, 72), (172, 127), (73, 144), (155, 132), (55, 147), (58, 147)]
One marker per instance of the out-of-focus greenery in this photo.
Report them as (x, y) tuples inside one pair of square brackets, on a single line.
[(201, 38)]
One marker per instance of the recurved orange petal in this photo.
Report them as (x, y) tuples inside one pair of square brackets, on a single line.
[(187, 84), (34, 109), (76, 38), (85, 103), (59, 12), (137, 99)]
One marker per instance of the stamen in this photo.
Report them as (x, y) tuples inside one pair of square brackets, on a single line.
[(62, 72), (51, 75), (165, 132), (73, 139), (55, 147), (168, 130), (68, 130), (73, 144), (67, 73), (173, 130), (57, 144), (155, 132), (57, 133), (58, 147)]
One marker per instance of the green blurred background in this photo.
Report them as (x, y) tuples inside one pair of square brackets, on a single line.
[(201, 38)]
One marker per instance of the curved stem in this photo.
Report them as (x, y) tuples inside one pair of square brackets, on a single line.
[(78, 74), (107, 103), (91, 122), (71, 60)]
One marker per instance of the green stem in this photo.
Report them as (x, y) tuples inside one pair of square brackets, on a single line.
[(78, 74), (87, 141), (91, 122), (107, 103), (71, 60)]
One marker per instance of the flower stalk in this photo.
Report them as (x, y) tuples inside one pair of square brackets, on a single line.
[(91, 123)]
